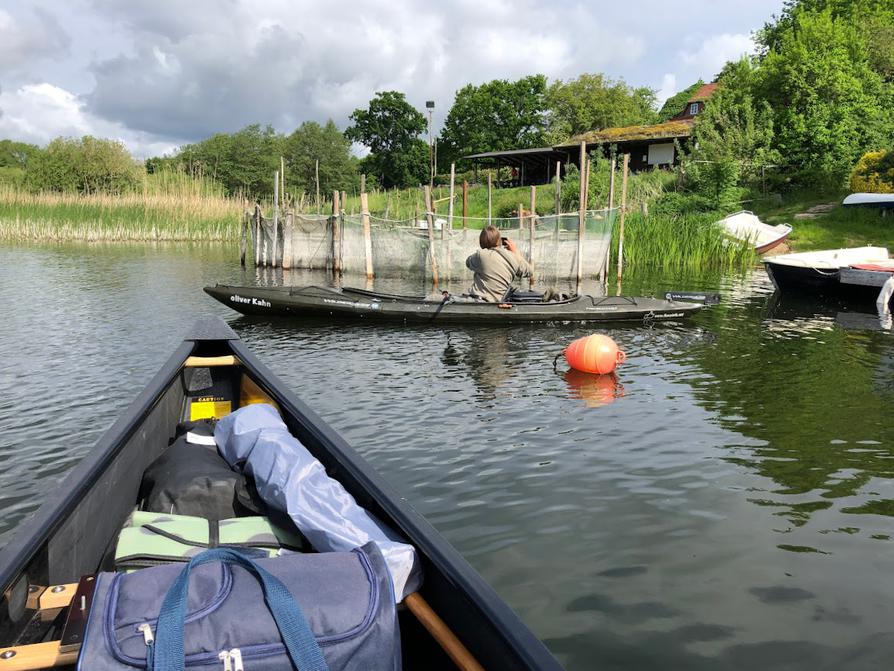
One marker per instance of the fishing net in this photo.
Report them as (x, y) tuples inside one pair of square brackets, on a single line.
[(405, 248)]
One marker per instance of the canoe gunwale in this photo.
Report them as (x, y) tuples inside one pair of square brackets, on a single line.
[(36, 531)]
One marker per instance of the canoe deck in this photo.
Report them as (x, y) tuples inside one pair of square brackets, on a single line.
[(361, 304)]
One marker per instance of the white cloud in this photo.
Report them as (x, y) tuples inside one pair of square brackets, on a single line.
[(668, 87), (37, 113), (714, 52)]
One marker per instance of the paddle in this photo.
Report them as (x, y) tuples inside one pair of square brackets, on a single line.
[(693, 296)]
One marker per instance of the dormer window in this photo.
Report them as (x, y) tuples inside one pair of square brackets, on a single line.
[(693, 108)]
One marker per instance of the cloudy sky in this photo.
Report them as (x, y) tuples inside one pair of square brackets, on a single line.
[(160, 73)]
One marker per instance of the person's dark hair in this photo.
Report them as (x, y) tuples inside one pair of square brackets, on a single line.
[(489, 238)]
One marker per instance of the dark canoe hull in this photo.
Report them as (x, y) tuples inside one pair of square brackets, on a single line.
[(72, 532), (359, 304), (817, 282)]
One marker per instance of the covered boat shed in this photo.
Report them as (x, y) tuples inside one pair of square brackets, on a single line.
[(530, 166)]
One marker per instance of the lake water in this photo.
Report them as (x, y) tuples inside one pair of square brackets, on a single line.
[(725, 503)]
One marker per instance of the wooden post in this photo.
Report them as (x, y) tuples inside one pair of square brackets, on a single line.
[(243, 239), (287, 228), (611, 214), (623, 213), (431, 235), (581, 210), (282, 178), (367, 235), (257, 235), (489, 196), (336, 245), (531, 223), (317, 170), (448, 238), (465, 203), (362, 183), (521, 221), (611, 184), (275, 216), (341, 229), (558, 188)]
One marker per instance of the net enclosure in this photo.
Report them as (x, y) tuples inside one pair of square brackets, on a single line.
[(426, 247)]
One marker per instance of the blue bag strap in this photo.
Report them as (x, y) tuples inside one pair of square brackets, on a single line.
[(168, 653)]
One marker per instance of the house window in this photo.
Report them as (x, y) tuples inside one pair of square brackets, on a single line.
[(693, 108)]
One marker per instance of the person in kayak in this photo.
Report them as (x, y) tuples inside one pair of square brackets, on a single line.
[(495, 265)]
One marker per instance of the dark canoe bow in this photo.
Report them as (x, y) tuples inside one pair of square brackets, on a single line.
[(70, 534), (361, 304)]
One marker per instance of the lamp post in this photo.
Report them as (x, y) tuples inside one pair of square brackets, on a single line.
[(430, 106)]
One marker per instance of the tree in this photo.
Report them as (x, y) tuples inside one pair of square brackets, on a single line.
[(593, 102), (874, 173), (243, 162), (735, 128), (494, 116), (86, 165), (390, 127), (16, 154), (830, 105), (674, 105), (310, 143)]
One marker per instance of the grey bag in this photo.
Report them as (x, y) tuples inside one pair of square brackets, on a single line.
[(226, 613)]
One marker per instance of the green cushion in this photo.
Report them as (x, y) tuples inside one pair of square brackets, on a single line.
[(150, 539)]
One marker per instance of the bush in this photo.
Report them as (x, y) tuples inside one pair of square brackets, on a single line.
[(874, 173), (86, 165)]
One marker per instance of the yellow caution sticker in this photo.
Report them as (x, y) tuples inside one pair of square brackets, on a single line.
[(209, 409)]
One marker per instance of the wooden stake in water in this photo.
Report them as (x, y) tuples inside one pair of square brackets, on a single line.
[(336, 257), (257, 235), (287, 226), (430, 218), (581, 211), (275, 216), (448, 238), (558, 197), (623, 213), (317, 169), (341, 228), (465, 203), (367, 235), (243, 239), (531, 222)]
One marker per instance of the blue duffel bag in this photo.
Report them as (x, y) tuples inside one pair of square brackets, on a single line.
[(226, 610)]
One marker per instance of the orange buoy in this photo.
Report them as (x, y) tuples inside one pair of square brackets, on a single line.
[(595, 353)]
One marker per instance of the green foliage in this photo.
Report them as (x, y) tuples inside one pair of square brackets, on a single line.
[(593, 102), (86, 165), (310, 143), (16, 154), (12, 177), (674, 105), (243, 162), (643, 187), (874, 173), (830, 105), (497, 115), (390, 127)]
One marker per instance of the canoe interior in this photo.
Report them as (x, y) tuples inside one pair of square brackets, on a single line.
[(74, 533)]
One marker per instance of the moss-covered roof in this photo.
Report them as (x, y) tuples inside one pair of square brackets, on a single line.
[(667, 130)]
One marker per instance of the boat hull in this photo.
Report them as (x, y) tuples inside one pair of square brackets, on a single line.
[(359, 304), (71, 534)]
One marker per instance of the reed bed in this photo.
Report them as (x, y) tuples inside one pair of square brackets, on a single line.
[(681, 241), (174, 211)]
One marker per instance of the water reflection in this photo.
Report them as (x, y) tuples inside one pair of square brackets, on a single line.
[(595, 390)]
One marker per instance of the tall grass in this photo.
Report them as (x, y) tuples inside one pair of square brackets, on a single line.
[(170, 206), (681, 241)]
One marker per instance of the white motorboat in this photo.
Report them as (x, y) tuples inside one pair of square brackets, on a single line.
[(747, 226)]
